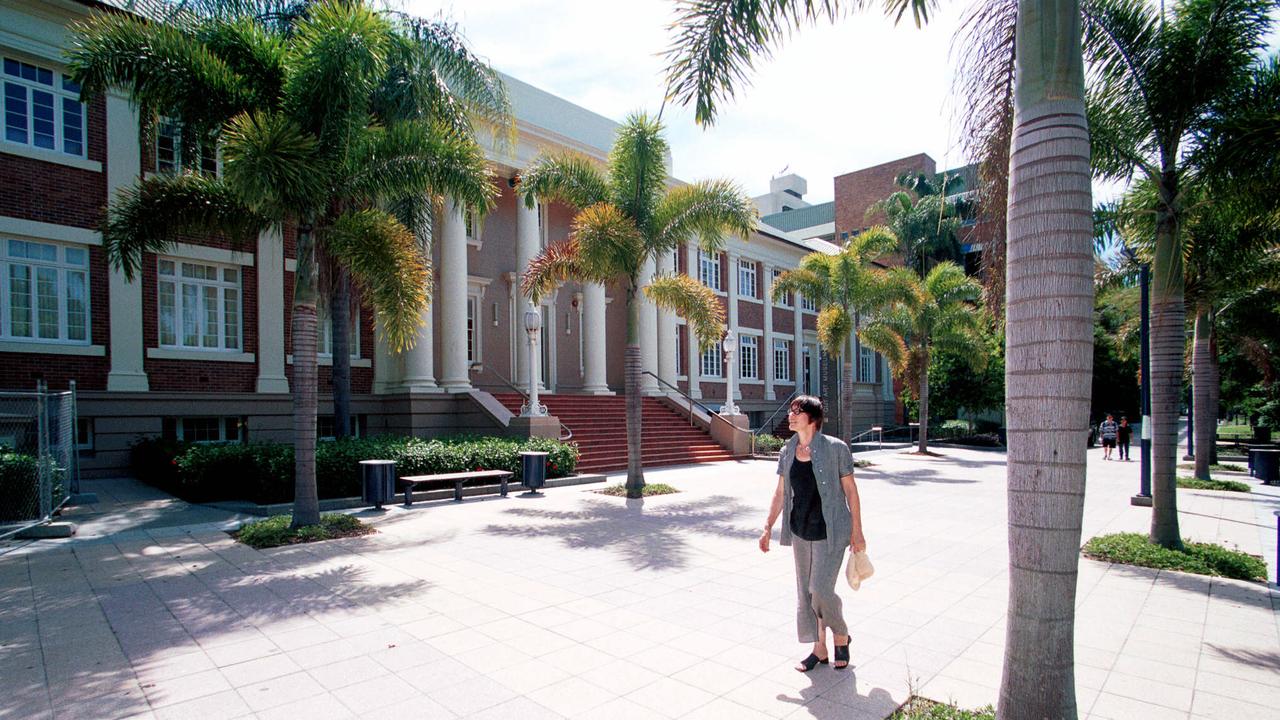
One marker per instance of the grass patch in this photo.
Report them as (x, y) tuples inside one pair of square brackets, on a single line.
[(620, 490), (860, 463), (918, 708), (1217, 467), (1198, 558), (1191, 483), (275, 530)]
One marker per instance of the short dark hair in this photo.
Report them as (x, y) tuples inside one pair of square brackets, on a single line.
[(811, 406)]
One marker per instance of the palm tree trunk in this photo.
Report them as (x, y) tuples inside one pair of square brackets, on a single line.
[(1168, 350), (922, 446), (632, 370), (1215, 387), (1049, 365), (306, 502), (846, 394), (1201, 405), (340, 334)]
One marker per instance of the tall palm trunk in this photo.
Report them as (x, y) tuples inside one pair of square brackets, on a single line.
[(846, 393), (340, 336), (306, 502), (1049, 336), (632, 369), (1201, 406), (1215, 387), (1168, 349), (923, 445)]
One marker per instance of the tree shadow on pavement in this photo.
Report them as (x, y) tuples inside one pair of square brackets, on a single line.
[(1252, 658), (913, 477), (652, 538)]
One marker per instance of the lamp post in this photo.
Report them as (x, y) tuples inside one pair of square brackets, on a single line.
[(533, 324), (1143, 498), (730, 345)]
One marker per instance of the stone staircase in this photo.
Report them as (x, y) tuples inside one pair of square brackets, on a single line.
[(599, 428)]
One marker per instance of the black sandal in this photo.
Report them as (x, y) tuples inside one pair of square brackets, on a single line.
[(842, 655), (811, 662)]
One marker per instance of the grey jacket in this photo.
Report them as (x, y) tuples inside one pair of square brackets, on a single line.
[(831, 461)]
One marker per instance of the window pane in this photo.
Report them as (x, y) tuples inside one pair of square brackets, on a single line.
[(44, 76), (231, 322), (41, 251), (72, 127), (190, 315), (70, 85), (15, 113), (168, 335), (166, 147), (471, 330), (20, 301), (77, 306), (210, 306), (47, 302), (166, 267), (229, 275), (42, 119), (209, 158), (11, 67), (17, 249), (77, 256)]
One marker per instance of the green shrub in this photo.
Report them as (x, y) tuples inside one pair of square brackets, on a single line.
[(1229, 485), (263, 472), (620, 490), (766, 443), (918, 708), (275, 530), (1198, 558), (19, 486)]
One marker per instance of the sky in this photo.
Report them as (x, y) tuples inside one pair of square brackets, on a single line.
[(832, 99)]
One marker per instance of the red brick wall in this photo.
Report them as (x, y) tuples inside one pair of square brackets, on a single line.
[(784, 320), (857, 191), (750, 314), (54, 193)]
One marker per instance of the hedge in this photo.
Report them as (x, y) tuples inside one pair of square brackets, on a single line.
[(263, 472), (20, 485)]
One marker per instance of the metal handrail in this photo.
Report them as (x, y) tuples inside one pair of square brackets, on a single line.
[(877, 430), (769, 422), (685, 395), (567, 433)]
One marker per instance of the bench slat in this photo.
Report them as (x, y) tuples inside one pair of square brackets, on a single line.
[(456, 476)]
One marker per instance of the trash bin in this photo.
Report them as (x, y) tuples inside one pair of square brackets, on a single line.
[(377, 481), (1265, 465), (533, 469)]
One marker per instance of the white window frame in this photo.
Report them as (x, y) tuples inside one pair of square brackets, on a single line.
[(713, 362), (64, 95), (748, 362), (866, 364), (221, 286), (475, 318), (222, 420), (64, 267), (785, 300), (324, 330), (782, 360), (172, 129), (808, 305), (747, 278), (709, 270), (84, 434)]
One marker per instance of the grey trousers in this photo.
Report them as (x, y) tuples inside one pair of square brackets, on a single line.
[(817, 570)]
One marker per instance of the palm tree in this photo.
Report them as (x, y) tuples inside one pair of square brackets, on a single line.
[(298, 109), (1032, 113), (843, 287), (1156, 81), (627, 216), (936, 313), (925, 220)]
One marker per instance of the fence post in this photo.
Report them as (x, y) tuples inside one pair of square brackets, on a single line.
[(73, 455), (45, 482)]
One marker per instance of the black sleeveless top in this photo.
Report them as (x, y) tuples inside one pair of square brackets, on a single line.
[(806, 506)]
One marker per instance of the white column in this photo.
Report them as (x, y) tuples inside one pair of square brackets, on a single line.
[(766, 286), (798, 343), (666, 333), (594, 339), (527, 247), (648, 335), (271, 304), (418, 362), (388, 367), (454, 375), (124, 166), (691, 339), (732, 288)]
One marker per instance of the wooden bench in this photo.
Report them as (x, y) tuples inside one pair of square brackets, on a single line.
[(458, 479)]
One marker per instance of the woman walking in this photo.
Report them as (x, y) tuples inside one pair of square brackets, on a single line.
[(817, 492)]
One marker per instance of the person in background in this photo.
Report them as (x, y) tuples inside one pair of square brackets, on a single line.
[(1108, 430), (1124, 433)]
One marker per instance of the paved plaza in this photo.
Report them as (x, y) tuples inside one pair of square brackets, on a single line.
[(580, 605)]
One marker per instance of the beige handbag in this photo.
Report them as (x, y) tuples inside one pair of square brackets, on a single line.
[(858, 569)]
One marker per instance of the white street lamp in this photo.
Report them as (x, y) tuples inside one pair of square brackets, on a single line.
[(532, 324), (730, 345)]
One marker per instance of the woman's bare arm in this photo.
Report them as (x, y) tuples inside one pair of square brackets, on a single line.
[(775, 509), (857, 542)]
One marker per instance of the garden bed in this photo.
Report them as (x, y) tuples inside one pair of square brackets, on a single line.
[(918, 708), (275, 531), (650, 489), (1191, 483), (1197, 558)]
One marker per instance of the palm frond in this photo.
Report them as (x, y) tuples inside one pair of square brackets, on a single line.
[(258, 57), (387, 266), (569, 178), (709, 210), (693, 301), (948, 284), (881, 337), (417, 157), (872, 244), (835, 325), (610, 244), (559, 262), (153, 214), (272, 164), (802, 280), (638, 169)]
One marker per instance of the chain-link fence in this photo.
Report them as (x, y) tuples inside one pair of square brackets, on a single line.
[(38, 457)]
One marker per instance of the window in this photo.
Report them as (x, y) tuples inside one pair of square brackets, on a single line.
[(786, 300), (199, 305), (542, 225), (712, 362), (210, 429), (866, 364), (473, 329), (782, 360), (749, 357), (709, 270), (324, 329), (747, 278), (808, 305), (325, 428), (469, 218), (169, 157), (46, 292), (42, 109), (84, 434)]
